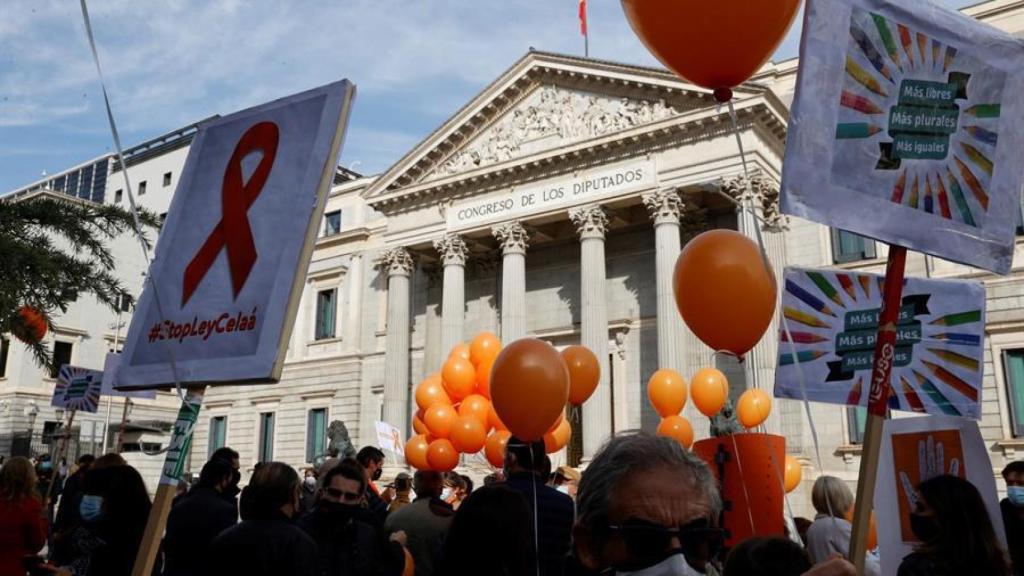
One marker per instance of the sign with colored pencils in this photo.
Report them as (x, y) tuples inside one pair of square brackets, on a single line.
[(914, 115), (833, 323), (77, 389)]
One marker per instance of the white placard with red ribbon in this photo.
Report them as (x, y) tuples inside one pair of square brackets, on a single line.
[(233, 253)]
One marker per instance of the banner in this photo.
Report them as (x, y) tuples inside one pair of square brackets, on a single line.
[(905, 129), (914, 450), (390, 438), (232, 257), (833, 320), (77, 389), (111, 365)]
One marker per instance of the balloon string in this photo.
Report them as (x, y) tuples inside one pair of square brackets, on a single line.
[(743, 482)]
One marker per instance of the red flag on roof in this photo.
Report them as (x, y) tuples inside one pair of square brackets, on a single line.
[(583, 17)]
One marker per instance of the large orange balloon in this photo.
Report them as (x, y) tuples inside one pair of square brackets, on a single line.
[(753, 407), (29, 325), (558, 438), (483, 378), (529, 387), (793, 473), (494, 449), (430, 392), (475, 406), (494, 421), (460, 351), (441, 456), (724, 289), (584, 373), (439, 419), (418, 424), (709, 389), (459, 377), (667, 392), (716, 44), (416, 452), (483, 348), (677, 428), (468, 435)]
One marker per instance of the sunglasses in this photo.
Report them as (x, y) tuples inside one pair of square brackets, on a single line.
[(343, 495), (700, 541)]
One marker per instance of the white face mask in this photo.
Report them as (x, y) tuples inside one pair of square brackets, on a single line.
[(674, 565), (564, 489), (446, 494)]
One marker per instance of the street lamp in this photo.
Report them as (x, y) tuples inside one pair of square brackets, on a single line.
[(31, 410)]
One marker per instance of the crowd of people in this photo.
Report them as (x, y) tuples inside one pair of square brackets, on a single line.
[(644, 506)]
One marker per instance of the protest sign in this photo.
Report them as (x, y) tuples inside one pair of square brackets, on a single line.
[(231, 260), (389, 438), (833, 320), (111, 365), (77, 389), (904, 130)]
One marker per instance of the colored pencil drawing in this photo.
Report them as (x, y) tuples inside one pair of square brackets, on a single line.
[(77, 389)]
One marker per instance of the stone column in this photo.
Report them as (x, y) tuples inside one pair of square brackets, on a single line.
[(513, 239), (352, 335), (591, 224), (398, 265), (453, 301), (665, 207)]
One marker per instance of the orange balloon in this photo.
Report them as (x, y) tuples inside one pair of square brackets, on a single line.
[(430, 392), (558, 438), (794, 473), (476, 406), (468, 435), (494, 449), (712, 44), (709, 389), (418, 424), (483, 348), (459, 377), (677, 428), (724, 289), (29, 325), (483, 378), (442, 456), (584, 373), (460, 351), (667, 392), (753, 408), (416, 452), (493, 421), (439, 419), (872, 541), (529, 387), (410, 565)]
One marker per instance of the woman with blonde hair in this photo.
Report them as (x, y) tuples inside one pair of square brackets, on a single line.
[(829, 535), (22, 524)]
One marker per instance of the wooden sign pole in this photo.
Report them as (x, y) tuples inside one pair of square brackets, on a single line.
[(878, 402)]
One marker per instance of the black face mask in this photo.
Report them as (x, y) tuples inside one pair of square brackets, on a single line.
[(924, 527), (337, 510), (232, 489), (377, 474)]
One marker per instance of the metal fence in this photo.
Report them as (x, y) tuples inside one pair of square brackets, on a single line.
[(37, 444)]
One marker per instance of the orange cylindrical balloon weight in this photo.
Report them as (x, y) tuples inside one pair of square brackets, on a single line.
[(666, 390), (584, 373), (725, 290), (459, 377), (483, 348), (559, 437), (709, 390), (430, 392), (468, 435), (483, 378), (494, 448), (416, 452), (460, 351), (418, 424), (716, 44), (794, 473), (477, 407), (439, 419), (677, 428), (442, 456), (529, 387), (753, 408)]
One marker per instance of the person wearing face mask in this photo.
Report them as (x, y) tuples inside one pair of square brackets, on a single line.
[(350, 538), (567, 480), (1012, 508), (372, 460), (309, 490), (955, 533), (454, 490), (196, 518), (231, 492)]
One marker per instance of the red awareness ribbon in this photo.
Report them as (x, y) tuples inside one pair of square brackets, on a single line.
[(233, 231)]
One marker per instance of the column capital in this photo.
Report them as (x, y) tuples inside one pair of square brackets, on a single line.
[(591, 221), (395, 261), (453, 249), (513, 237), (763, 194), (665, 206)]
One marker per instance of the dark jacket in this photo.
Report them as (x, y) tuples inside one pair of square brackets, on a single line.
[(265, 546), (194, 521), (918, 564), (376, 504), (556, 514), (1014, 534), (351, 542), (107, 548)]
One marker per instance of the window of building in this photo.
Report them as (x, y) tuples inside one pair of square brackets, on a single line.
[(50, 428), (142, 188), (5, 348), (856, 420), (325, 312), (124, 302), (117, 196), (316, 434), (332, 223), (218, 433), (61, 356), (1013, 370), (266, 437), (850, 247), (167, 179)]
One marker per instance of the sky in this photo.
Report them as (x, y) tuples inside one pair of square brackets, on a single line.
[(174, 62)]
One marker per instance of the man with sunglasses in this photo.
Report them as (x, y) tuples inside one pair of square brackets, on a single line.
[(349, 537)]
